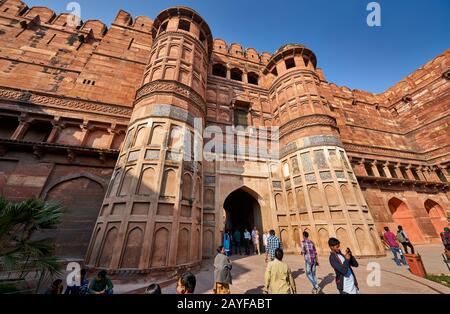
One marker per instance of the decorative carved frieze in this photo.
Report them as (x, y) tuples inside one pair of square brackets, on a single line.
[(161, 86), (62, 102), (310, 141), (307, 121)]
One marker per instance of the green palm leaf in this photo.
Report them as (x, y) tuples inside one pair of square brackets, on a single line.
[(22, 226)]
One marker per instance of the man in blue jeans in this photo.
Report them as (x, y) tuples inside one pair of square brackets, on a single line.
[(391, 240), (311, 262)]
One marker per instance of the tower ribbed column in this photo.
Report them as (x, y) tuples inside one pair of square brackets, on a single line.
[(151, 215), (319, 192)]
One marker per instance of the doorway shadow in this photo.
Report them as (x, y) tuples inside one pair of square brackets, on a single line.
[(328, 279)]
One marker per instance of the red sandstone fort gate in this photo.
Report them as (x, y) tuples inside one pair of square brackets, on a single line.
[(84, 106)]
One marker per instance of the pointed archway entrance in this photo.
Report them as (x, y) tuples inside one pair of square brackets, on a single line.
[(402, 215), (437, 215), (242, 211)]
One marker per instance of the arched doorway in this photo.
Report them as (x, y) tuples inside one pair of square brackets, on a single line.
[(242, 211), (82, 199), (437, 215), (402, 215)]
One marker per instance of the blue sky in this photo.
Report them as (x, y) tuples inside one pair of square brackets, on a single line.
[(412, 32)]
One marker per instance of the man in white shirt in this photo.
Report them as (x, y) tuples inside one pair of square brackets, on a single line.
[(247, 239)]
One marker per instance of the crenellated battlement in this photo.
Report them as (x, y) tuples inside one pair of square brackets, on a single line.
[(236, 50)]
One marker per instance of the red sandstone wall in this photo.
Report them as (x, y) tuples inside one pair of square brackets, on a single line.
[(39, 52), (79, 186)]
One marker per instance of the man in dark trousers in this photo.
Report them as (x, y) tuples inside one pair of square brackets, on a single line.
[(342, 264), (402, 237), (237, 241)]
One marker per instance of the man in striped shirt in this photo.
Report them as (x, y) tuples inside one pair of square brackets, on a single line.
[(273, 243), (311, 262)]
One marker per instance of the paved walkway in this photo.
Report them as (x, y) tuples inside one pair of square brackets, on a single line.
[(248, 275)]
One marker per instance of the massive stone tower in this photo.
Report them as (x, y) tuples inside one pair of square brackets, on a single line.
[(152, 212), (320, 188)]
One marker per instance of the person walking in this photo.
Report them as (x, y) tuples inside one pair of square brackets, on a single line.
[(311, 261), (278, 278), (247, 240), (402, 237), (222, 272), (273, 243), (391, 240), (255, 241), (445, 236), (342, 264), (265, 237), (237, 241), (227, 242)]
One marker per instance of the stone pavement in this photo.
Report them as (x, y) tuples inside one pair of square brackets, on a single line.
[(248, 275)]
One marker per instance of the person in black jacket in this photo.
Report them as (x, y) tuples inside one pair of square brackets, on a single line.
[(342, 264)]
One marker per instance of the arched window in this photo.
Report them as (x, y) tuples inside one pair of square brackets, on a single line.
[(219, 70), (163, 27), (253, 78), (306, 61), (236, 74), (441, 175), (290, 63), (202, 37), (184, 25), (274, 71)]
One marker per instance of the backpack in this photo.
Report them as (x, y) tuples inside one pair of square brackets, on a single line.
[(400, 237)]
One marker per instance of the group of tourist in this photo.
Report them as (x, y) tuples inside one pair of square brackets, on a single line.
[(100, 284), (393, 241), (251, 241), (278, 278)]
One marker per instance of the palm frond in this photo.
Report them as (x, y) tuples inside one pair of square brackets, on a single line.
[(19, 222)]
